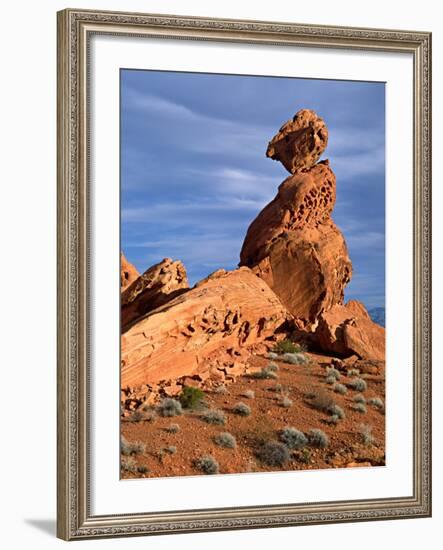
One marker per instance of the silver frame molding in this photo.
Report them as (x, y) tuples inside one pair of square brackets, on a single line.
[(74, 519)]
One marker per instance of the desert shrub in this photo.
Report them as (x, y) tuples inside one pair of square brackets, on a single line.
[(142, 469), (305, 456), (171, 449), (331, 371), (128, 464), (335, 410), (222, 389), (358, 384), (149, 414), (131, 448), (214, 416), (273, 367), (242, 409), (136, 416), (226, 440), (353, 372), (366, 434), (360, 407), (273, 453), (208, 465), (170, 407), (295, 358), (359, 398), (191, 397), (286, 402), (249, 394), (272, 355), (286, 346), (322, 401), (264, 374), (318, 438), (377, 403), (293, 438), (172, 428), (125, 447), (334, 419), (340, 388), (330, 380), (277, 388)]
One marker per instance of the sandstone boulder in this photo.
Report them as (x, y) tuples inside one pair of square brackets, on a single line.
[(159, 284), (348, 330), (300, 141), (201, 329), (128, 273)]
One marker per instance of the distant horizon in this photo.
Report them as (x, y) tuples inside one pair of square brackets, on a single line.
[(194, 173)]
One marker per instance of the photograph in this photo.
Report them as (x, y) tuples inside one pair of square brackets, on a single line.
[(252, 274)]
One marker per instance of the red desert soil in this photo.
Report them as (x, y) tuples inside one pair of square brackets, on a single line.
[(195, 437)]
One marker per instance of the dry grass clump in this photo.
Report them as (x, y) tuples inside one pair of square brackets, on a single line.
[(170, 407), (208, 465), (285, 402), (322, 401), (333, 372), (172, 428), (357, 384), (221, 390), (128, 464), (295, 358), (241, 409), (131, 448), (377, 403), (264, 374), (249, 394), (318, 438), (359, 398), (366, 434), (293, 438), (340, 388), (360, 407), (225, 440), (214, 416), (273, 453)]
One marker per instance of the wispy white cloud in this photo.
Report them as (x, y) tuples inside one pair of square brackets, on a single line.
[(366, 239), (199, 132)]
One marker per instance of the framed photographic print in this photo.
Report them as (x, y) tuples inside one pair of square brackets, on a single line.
[(244, 274)]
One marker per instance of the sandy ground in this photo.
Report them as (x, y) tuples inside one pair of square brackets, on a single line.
[(268, 417)]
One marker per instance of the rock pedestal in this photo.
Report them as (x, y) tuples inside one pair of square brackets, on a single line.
[(293, 243)]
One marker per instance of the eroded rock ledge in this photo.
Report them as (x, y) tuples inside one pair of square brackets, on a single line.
[(158, 285), (212, 327)]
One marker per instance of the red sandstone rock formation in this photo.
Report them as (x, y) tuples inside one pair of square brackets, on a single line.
[(295, 247), (293, 244), (348, 330), (128, 273), (299, 142), (159, 284), (209, 330)]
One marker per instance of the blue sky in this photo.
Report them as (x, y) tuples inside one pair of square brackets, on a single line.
[(194, 172)]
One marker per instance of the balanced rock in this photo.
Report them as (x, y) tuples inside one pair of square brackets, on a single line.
[(201, 330), (294, 245), (159, 284), (348, 330), (128, 273), (300, 141)]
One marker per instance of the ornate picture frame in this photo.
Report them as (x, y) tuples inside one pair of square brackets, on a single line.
[(75, 29)]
